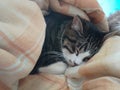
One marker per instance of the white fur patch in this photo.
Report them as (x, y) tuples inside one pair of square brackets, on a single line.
[(74, 84), (72, 72), (56, 68), (73, 58)]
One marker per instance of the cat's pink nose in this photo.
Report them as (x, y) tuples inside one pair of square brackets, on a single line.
[(72, 63), (76, 64)]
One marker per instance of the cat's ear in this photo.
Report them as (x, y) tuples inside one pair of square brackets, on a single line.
[(77, 24)]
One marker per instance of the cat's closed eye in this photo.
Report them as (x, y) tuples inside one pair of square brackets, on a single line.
[(86, 59), (68, 48)]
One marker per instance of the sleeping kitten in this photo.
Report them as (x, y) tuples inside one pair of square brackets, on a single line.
[(68, 42), (81, 41), (114, 26)]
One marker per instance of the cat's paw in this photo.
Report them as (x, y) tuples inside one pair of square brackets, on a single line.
[(72, 72)]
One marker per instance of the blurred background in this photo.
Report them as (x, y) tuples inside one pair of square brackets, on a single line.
[(109, 6)]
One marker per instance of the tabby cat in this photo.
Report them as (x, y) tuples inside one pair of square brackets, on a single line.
[(114, 30), (68, 42)]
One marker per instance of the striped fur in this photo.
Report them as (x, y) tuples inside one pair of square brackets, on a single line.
[(70, 41), (81, 41)]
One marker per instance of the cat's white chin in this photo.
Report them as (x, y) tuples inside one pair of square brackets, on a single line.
[(73, 59)]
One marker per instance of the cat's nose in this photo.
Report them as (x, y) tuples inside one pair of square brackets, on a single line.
[(71, 63), (76, 64)]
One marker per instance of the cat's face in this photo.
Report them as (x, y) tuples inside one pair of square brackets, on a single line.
[(78, 46)]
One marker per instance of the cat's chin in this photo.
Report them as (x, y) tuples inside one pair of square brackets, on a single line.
[(73, 65)]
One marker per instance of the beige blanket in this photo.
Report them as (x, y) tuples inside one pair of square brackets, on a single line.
[(57, 82), (22, 32)]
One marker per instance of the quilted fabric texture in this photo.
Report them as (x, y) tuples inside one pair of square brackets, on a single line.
[(22, 32)]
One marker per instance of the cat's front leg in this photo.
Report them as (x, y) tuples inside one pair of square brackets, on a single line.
[(55, 68), (72, 72), (73, 80)]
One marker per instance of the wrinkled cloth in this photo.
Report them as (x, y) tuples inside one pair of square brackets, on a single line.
[(59, 82), (102, 83), (89, 10), (22, 33), (43, 82)]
